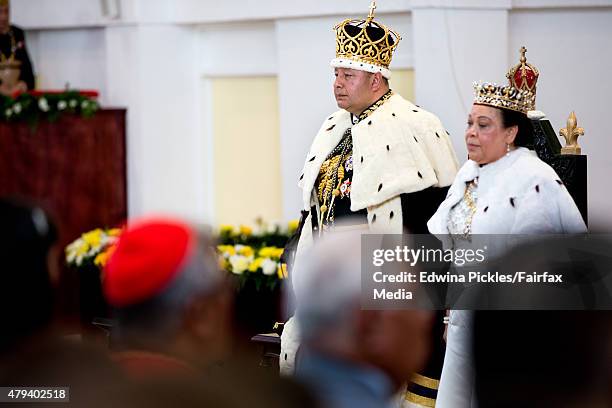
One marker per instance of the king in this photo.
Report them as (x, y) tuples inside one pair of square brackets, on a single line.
[(379, 163)]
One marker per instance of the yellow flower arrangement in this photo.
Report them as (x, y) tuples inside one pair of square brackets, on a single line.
[(114, 232), (256, 264), (263, 265), (256, 250), (93, 238), (102, 258), (246, 230), (239, 263), (226, 229), (271, 252), (244, 250), (93, 247), (226, 249)]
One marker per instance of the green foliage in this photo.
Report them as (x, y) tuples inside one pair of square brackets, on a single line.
[(31, 108)]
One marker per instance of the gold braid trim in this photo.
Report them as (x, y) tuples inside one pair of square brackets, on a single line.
[(424, 381), (417, 399)]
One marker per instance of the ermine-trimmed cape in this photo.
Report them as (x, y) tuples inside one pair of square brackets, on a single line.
[(517, 194), (400, 148)]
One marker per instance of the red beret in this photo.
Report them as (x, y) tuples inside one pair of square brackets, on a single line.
[(149, 255)]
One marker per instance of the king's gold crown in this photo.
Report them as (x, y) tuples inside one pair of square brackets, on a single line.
[(365, 45), (518, 96)]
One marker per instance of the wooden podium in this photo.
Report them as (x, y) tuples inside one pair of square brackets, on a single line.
[(74, 168)]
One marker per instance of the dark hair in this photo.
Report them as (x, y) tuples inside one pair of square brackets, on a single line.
[(26, 292), (524, 137)]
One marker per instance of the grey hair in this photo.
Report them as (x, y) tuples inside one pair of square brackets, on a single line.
[(327, 284)]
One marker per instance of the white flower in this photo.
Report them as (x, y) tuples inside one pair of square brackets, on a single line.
[(108, 240), (61, 105), (73, 103), (43, 104), (17, 108), (268, 267), (239, 263), (8, 113), (84, 104), (71, 256), (258, 229), (74, 251)]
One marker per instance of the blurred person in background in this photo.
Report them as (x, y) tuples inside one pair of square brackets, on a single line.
[(17, 74), (549, 359), (171, 303), (173, 311), (32, 352), (352, 357)]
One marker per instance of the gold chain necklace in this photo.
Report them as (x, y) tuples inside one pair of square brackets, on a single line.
[(468, 197), (332, 171), (331, 175)]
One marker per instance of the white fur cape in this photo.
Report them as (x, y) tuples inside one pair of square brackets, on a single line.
[(517, 194), (400, 148)]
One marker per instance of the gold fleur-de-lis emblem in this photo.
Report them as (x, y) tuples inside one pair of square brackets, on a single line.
[(571, 134)]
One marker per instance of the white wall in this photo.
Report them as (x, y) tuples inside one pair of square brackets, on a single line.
[(238, 49), (57, 13), (451, 52), (74, 57), (218, 48), (165, 147)]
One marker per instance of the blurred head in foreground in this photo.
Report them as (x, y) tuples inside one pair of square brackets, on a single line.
[(26, 293), (549, 359), (328, 291), (555, 357), (168, 293)]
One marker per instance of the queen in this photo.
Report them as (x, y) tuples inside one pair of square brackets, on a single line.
[(504, 188)]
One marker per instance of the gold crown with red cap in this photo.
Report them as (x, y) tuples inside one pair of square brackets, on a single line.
[(519, 96)]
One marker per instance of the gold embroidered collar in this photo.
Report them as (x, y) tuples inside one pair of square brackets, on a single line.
[(375, 105)]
